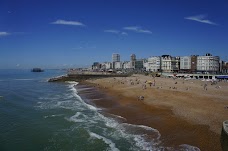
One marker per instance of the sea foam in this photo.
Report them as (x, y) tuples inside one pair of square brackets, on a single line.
[(75, 94), (139, 136), (106, 140)]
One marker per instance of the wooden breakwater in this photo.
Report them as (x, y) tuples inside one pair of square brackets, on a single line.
[(84, 76), (224, 136)]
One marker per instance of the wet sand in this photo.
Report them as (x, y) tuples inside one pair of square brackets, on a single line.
[(186, 115)]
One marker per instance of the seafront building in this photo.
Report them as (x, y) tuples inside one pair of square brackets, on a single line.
[(116, 64), (200, 64), (96, 66), (188, 64), (175, 64), (185, 63), (133, 61), (115, 57), (106, 65), (170, 64), (193, 63), (166, 64), (224, 67), (208, 63), (139, 64), (127, 65), (153, 64)]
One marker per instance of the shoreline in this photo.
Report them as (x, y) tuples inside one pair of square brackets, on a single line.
[(175, 127)]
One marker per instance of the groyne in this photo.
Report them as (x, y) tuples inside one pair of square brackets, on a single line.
[(224, 136), (84, 76)]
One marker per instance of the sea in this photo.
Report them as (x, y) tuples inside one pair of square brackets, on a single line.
[(36, 115)]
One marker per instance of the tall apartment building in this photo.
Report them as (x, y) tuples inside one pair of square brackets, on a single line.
[(133, 60), (115, 60), (153, 64), (115, 57), (208, 63)]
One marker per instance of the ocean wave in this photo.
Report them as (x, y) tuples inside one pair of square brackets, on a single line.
[(135, 132), (84, 89), (106, 140), (54, 115), (75, 93), (189, 147), (78, 118), (140, 137), (117, 117), (122, 130), (72, 82), (69, 104)]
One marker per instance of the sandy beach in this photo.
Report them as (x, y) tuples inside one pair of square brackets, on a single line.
[(183, 111)]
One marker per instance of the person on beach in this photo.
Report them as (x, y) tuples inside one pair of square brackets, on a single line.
[(140, 98), (144, 86), (205, 86)]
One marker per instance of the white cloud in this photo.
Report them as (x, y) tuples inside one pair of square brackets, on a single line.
[(145, 31), (133, 28), (200, 18), (124, 33), (137, 29), (65, 22), (3, 33), (112, 31)]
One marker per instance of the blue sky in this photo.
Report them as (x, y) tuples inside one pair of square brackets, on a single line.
[(74, 33)]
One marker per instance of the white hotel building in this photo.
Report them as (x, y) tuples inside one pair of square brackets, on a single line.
[(185, 62), (208, 63), (169, 63), (153, 64)]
